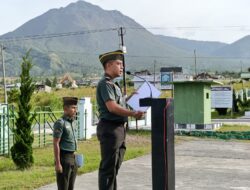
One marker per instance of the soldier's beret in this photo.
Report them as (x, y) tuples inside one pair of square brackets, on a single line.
[(69, 101), (110, 56)]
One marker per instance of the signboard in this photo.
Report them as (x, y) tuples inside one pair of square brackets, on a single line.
[(166, 77), (221, 97)]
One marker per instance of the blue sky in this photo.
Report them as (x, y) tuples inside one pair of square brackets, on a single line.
[(211, 20)]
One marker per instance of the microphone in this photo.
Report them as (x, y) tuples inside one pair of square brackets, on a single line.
[(129, 73)]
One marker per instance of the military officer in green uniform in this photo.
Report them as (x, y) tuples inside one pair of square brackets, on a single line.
[(65, 144), (113, 117)]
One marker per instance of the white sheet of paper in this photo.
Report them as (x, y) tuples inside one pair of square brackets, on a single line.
[(142, 92)]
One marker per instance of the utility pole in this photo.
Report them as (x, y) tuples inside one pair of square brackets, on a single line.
[(241, 75), (4, 81), (121, 33), (240, 66), (154, 71), (195, 63)]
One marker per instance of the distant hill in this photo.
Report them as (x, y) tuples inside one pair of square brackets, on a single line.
[(237, 49), (97, 33), (202, 47)]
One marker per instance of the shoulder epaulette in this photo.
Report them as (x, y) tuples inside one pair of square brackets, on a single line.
[(60, 120), (108, 80)]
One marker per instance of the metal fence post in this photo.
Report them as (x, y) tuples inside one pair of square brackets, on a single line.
[(13, 122), (8, 120), (44, 130), (85, 122), (3, 131), (0, 134), (39, 130)]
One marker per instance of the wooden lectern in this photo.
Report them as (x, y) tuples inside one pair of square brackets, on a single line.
[(162, 127)]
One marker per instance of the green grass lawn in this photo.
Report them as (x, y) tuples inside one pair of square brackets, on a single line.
[(226, 132), (225, 128), (43, 173), (215, 115)]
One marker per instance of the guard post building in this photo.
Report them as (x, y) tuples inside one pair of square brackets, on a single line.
[(192, 104)]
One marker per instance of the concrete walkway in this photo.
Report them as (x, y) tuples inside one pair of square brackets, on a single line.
[(200, 165)]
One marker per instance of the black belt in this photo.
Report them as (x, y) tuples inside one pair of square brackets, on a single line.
[(66, 152), (112, 121)]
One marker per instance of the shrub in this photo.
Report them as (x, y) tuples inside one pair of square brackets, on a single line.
[(221, 111), (21, 151)]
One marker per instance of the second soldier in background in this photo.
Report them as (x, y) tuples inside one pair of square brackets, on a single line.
[(65, 145)]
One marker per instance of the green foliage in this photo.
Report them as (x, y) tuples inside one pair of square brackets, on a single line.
[(21, 151), (129, 82), (221, 111), (230, 74), (54, 82), (244, 104), (235, 103), (215, 115), (13, 96), (54, 98), (226, 135), (42, 99), (48, 82)]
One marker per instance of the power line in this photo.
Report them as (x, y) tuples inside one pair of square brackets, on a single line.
[(154, 56), (240, 27), (54, 35), (187, 57)]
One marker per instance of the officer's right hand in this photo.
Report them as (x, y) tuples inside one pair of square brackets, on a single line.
[(59, 168), (138, 114)]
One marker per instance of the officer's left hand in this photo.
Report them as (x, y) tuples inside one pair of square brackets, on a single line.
[(59, 168)]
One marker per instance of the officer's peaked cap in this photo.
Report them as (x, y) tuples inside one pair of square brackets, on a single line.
[(69, 101), (110, 56)]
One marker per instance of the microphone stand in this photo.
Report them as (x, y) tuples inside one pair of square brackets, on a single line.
[(129, 73)]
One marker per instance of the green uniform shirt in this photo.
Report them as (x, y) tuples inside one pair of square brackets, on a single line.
[(108, 90), (65, 129)]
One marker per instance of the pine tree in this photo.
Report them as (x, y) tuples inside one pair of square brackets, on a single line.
[(21, 151), (48, 82), (54, 83)]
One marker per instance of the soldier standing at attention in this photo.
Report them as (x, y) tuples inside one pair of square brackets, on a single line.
[(111, 130), (64, 140)]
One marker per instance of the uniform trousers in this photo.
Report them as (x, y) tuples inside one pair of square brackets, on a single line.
[(66, 179), (112, 143)]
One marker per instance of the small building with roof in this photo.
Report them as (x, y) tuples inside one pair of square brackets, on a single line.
[(192, 101), (245, 75)]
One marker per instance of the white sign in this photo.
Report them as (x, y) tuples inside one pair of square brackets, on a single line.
[(221, 97), (146, 90)]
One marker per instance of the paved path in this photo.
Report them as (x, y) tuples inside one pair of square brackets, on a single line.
[(200, 165)]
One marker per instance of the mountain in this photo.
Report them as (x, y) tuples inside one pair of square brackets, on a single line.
[(237, 49), (203, 47), (70, 39), (76, 53)]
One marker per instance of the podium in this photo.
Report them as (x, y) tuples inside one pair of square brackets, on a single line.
[(162, 128)]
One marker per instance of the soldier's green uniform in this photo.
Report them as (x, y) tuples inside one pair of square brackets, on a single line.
[(107, 89), (110, 132), (65, 129)]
